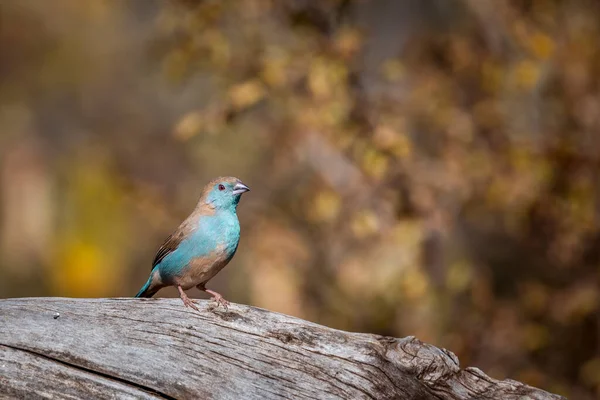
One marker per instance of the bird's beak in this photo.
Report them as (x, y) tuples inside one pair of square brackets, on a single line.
[(240, 188)]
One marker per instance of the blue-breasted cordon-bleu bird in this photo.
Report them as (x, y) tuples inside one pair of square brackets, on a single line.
[(202, 245)]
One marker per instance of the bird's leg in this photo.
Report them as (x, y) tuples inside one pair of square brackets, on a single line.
[(186, 300), (215, 296)]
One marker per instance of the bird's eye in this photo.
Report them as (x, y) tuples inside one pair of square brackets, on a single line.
[(221, 187)]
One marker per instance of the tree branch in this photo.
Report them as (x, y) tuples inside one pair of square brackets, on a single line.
[(158, 349)]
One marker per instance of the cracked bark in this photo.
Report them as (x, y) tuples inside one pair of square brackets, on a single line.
[(158, 349)]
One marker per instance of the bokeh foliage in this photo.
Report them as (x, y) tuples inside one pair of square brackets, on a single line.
[(418, 167)]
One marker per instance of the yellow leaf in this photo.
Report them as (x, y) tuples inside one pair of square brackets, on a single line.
[(190, 125), (246, 94), (325, 206), (414, 284), (365, 223), (541, 45), (274, 71), (375, 163), (325, 77), (527, 74)]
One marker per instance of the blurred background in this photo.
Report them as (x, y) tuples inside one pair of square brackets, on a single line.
[(425, 168)]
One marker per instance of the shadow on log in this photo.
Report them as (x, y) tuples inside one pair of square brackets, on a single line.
[(156, 348)]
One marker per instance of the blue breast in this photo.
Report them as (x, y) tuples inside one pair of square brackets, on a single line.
[(218, 231)]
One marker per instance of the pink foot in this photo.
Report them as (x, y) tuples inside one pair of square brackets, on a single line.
[(218, 298), (186, 300)]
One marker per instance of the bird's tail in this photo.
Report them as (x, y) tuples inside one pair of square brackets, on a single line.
[(147, 290)]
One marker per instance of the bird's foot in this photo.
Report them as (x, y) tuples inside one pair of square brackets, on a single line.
[(190, 303), (186, 300), (218, 299)]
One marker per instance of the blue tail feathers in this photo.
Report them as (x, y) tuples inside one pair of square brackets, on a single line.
[(146, 291)]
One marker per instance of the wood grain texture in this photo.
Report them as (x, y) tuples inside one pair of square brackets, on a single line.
[(158, 349)]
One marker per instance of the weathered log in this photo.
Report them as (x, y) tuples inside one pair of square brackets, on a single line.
[(157, 348)]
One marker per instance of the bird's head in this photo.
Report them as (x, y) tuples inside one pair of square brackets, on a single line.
[(223, 193)]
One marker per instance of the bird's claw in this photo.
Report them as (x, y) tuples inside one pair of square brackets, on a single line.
[(190, 303), (219, 300), (186, 300)]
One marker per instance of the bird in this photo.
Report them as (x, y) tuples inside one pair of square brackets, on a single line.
[(202, 245)]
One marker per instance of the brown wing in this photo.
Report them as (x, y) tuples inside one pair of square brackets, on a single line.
[(170, 244)]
